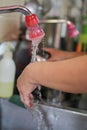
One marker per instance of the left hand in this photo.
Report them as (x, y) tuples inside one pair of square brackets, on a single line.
[(26, 86)]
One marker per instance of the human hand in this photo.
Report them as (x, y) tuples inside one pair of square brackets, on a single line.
[(26, 86), (60, 55), (56, 54)]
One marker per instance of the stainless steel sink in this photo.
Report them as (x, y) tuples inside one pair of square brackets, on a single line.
[(14, 117)]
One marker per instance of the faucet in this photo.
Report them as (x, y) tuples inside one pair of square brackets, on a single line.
[(72, 31), (31, 21), (16, 8)]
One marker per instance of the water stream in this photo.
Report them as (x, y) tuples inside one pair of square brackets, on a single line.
[(38, 118), (35, 44), (37, 114)]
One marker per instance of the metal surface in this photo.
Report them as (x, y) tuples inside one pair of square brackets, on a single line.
[(18, 8), (55, 21), (17, 118)]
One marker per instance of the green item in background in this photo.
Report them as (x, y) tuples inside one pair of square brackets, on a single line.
[(83, 42), (84, 25), (83, 36), (16, 100)]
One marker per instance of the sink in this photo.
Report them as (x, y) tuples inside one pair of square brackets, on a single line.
[(14, 117)]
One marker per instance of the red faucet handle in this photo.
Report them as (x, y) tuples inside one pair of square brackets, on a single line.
[(31, 20), (72, 31)]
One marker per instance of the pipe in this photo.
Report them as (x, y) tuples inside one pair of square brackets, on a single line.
[(16, 8), (55, 21)]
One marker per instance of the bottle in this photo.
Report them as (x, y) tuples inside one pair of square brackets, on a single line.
[(7, 73)]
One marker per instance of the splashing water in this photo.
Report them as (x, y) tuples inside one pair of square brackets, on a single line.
[(35, 44), (36, 34), (37, 114), (38, 118)]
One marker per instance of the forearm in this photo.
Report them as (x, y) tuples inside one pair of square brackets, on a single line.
[(62, 55), (68, 75), (68, 55)]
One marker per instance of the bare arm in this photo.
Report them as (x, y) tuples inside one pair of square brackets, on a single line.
[(68, 75), (62, 55)]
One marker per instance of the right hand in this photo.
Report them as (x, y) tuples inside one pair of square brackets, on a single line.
[(57, 54)]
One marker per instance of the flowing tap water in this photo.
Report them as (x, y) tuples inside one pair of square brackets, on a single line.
[(38, 118), (36, 34), (35, 44), (37, 114), (34, 50)]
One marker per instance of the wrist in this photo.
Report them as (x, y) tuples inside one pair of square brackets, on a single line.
[(34, 70)]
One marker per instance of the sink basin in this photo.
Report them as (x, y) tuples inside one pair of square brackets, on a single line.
[(14, 117)]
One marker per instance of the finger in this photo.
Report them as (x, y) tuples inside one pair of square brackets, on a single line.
[(21, 97), (31, 104), (31, 96), (28, 100)]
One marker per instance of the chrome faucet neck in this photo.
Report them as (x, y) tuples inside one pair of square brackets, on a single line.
[(16, 8)]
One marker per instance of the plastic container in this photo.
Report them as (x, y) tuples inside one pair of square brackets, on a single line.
[(7, 74)]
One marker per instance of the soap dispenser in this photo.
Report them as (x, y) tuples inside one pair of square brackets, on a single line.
[(7, 73)]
